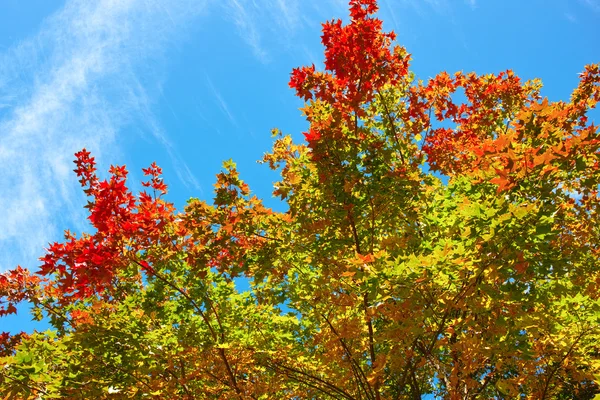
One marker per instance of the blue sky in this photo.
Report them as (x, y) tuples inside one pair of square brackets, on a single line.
[(190, 83)]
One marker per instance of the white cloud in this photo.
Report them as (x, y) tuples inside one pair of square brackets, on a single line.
[(570, 17), (221, 102), (247, 25), (278, 21), (78, 82), (592, 4)]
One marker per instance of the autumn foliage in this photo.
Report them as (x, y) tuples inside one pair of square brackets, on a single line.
[(440, 238)]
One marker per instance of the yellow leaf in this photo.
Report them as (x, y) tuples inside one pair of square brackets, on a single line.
[(293, 179)]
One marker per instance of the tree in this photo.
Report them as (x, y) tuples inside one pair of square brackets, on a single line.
[(429, 246)]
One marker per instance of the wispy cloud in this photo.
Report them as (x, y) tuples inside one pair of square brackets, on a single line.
[(592, 4), (246, 22), (221, 102), (385, 4), (79, 82), (277, 21), (570, 17)]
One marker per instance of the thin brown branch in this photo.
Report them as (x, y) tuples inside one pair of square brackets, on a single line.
[(559, 364), (221, 351), (392, 127), (364, 384), (18, 382), (331, 386)]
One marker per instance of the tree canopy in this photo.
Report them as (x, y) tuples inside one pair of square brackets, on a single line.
[(440, 237)]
